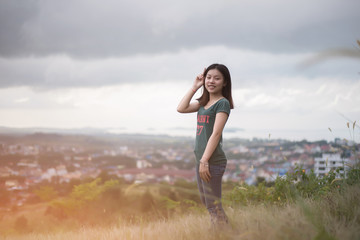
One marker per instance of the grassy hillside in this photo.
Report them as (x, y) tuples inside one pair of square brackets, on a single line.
[(329, 218), (336, 215)]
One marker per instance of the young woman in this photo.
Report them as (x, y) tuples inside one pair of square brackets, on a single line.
[(213, 110)]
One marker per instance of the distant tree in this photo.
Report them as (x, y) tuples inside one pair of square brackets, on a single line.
[(147, 202), (87, 191), (172, 196), (104, 176), (112, 200), (46, 193), (86, 200), (259, 180)]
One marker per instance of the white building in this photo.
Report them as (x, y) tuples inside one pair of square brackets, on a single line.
[(330, 162), (143, 164)]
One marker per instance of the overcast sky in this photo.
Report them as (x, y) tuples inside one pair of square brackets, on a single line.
[(125, 65)]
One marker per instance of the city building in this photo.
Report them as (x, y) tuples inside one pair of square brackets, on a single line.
[(323, 165)]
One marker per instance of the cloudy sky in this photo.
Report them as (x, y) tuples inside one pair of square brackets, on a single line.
[(124, 65)]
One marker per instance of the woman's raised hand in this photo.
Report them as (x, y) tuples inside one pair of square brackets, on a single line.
[(199, 81)]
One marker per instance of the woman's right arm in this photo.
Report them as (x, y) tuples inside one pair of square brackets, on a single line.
[(185, 106)]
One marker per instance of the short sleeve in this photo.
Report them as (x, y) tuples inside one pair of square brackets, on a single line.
[(223, 106)]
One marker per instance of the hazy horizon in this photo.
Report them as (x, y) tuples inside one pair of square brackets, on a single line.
[(275, 134)]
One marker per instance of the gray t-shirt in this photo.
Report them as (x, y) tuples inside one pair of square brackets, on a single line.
[(205, 126)]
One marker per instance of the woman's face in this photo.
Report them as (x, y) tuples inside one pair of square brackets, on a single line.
[(214, 81)]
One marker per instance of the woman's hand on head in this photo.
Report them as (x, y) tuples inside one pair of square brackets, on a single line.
[(199, 80)]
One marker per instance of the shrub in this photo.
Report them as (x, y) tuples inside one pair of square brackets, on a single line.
[(87, 199), (247, 195), (353, 175), (46, 193), (292, 186)]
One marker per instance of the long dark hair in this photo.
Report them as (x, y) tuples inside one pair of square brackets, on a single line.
[(226, 91)]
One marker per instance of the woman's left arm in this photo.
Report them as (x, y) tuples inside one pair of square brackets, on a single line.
[(214, 139)]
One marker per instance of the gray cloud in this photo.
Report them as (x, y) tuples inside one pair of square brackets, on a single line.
[(81, 28), (49, 44), (248, 69), (13, 15)]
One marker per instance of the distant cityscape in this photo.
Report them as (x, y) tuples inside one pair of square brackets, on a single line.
[(31, 160)]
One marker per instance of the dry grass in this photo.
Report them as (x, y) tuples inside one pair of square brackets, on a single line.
[(251, 222)]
